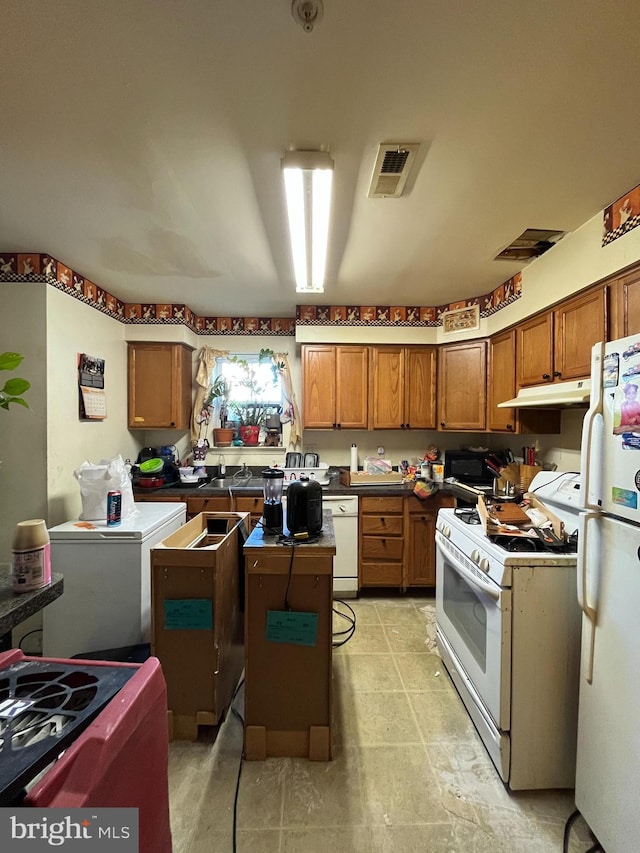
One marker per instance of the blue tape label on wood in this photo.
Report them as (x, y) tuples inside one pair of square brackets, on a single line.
[(298, 629), (188, 614)]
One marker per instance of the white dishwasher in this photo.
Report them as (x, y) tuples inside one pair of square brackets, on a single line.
[(345, 524), (344, 511)]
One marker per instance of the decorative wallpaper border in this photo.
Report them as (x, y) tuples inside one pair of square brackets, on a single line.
[(621, 217), (35, 267), (396, 315)]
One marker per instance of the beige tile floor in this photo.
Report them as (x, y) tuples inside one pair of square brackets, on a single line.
[(409, 771)]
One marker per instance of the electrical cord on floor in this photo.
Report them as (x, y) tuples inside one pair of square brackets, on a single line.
[(239, 716), (350, 631), (567, 831)]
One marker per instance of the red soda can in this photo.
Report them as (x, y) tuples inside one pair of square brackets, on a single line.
[(114, 508)]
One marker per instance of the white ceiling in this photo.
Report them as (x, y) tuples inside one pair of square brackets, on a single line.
[(140, 140)]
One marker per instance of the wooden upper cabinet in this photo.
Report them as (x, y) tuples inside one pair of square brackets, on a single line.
[(403, 383), (462, 382), (501, 384), (535, 350), (555, 346), (625, 305), (334, 387), (352, 378), (160, 380), (420, 387), (579, 324), (319, 386), (387, 388)]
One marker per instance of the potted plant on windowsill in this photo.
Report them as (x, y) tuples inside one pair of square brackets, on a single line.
[(251, 413), (220, 390)]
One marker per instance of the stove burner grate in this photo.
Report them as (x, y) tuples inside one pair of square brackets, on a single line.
[(467, 514)]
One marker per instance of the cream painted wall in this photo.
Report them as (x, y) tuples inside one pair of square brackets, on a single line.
[(76, 328), (23, 477)]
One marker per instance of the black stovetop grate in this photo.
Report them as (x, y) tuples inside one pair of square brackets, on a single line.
[(44, 706)]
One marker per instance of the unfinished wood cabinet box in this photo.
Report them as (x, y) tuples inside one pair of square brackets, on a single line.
[(287, 685), (197, 594)]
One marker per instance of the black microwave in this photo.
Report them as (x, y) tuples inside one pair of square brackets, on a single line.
[(468, 466)]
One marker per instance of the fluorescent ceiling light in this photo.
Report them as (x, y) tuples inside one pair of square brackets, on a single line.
[(308, 177)]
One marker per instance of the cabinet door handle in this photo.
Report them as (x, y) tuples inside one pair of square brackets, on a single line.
[(546, 376), (557, 373), (441, 423), (509, 426)]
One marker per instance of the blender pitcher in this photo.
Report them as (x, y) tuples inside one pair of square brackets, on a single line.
[(273, 482)]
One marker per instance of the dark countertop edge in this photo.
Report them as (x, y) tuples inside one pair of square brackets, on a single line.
[(330, 491), (325, 544), (15, 607)]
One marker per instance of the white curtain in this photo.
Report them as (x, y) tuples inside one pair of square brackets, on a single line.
[(290, 409), (201, 416)]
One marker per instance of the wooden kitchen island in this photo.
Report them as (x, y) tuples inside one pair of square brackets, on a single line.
[(288, 645)]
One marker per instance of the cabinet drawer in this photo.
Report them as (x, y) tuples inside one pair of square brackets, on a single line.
[(381, 506), (382, 548), (253, 505), (382, 525), (196, 505), (381, 574)]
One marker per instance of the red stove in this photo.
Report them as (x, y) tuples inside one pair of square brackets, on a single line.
[(508, 630), (77, 733)]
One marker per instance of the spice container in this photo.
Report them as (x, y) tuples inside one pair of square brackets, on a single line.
[(31, 555)]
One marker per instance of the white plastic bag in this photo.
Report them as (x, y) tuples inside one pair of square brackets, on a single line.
[(96, 481)]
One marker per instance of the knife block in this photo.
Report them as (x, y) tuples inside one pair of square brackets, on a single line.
[(527, 473)]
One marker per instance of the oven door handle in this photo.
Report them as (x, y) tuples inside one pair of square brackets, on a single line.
[(471, 579)]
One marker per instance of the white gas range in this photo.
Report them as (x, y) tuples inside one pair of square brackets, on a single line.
[(508, 630)]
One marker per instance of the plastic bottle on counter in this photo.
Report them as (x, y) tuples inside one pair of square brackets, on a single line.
[(31, 555), (222, 467), (354, 458)]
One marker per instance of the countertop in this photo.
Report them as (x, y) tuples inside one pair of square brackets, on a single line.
[(15, 607), (335, 488), (323, 544)]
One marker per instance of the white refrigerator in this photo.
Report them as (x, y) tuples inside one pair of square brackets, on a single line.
[(106, 603), (608, 749)]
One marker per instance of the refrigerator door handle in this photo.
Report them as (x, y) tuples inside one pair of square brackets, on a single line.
[(589, 628), (588, 425)]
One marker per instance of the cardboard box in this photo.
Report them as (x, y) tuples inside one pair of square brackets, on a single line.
[(491, 528), (197, 596), (361, 478)]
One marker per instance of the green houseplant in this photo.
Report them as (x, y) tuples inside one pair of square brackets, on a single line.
[(220, 390), (251, 413), (13, 389)]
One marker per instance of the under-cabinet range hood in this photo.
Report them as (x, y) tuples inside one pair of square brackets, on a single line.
[(555, 395)]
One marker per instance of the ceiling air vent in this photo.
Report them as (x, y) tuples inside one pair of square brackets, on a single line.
[(530, 244), (390, 173)]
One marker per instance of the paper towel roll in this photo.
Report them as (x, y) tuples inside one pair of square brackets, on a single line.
[(354, 458)]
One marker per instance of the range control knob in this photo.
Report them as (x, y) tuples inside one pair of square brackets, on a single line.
[(475, 556), (446, 531), (484, 564)]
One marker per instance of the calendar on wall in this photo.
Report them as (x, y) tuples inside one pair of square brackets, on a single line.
[(92, 399)]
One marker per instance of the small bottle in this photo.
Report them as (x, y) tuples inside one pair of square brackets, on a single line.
[(222, 468), (354, 458), (31, 555)]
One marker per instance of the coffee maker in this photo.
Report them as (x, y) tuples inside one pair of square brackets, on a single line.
[(273, 483)]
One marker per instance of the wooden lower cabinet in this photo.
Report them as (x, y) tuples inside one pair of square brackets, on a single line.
[(381, 541), (397, 540), (252, 505), (420, 560)]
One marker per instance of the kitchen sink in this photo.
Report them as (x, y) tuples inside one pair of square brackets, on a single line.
[(229, 482)]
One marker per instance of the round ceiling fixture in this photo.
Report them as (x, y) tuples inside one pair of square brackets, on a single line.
[(307, 13)]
